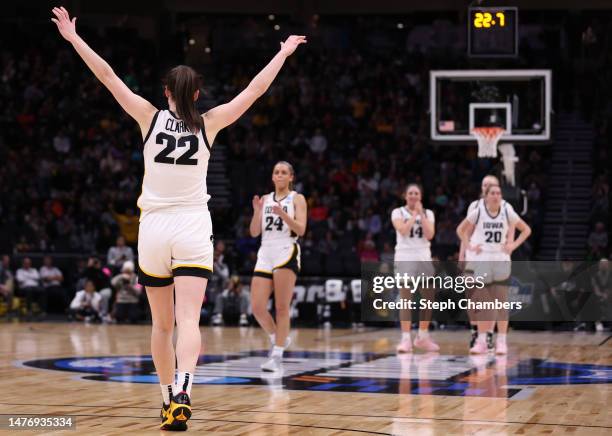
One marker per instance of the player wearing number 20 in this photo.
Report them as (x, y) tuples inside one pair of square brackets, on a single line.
[(488, 235), (280, 218)]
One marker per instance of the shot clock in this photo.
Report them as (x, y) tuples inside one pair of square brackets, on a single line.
[(493, 31)]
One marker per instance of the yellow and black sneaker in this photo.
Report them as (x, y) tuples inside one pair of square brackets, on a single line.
[(180, 408), (168, 422)]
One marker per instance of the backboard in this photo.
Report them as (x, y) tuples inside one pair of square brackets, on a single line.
[(517, 100)]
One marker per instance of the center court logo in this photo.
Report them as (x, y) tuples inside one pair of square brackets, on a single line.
[(419, 374)]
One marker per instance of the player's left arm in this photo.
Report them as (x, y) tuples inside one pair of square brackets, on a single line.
[(516, 223), (136, 106), (297, 224), (223, 115), (428, 224), (524, 233)]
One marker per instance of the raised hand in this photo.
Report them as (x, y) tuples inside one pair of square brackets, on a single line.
[(418, 209), (278, 210), (289, 46), (65, 26), (257, 202)]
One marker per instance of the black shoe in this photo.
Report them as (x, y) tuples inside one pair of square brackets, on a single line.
[(168, 422), (473, 338), (180, 407), (490, 344)]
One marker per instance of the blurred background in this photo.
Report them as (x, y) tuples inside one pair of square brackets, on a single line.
[(349, 110)]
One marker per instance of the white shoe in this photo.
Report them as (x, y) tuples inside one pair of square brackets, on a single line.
[(501, 347), (273, 364), (599, 327), (404, 346), (480, 347), (217, 319), (243, 320)]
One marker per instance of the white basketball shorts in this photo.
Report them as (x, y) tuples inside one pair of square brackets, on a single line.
[(174, 244), (272, 257), (492, 266)]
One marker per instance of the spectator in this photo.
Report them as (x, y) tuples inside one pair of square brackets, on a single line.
[(232, 305), (52, 279), (85, 305), (318, 143), (7, 281), (368, 252), (602, 288), (128, 294), (598, 242), (119, 254), (388, 254), (61, 142), (128, 225), (28, 281), (219, 278), (101, 279)]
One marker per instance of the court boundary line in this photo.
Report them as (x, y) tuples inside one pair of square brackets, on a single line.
[(474, 421), (352, 333), (210, 420), (605, 340)]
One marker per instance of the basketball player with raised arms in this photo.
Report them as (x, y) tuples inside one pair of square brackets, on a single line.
[(487, 232), (487, 181), (414, 230), (175, 234), (280, 218)]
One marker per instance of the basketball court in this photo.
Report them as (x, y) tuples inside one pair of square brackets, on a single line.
[(340, 381)]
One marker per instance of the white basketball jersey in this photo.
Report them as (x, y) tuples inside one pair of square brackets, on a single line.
[(274, 231), (415, 239), (176, 163), (473, 205), (490, 232)]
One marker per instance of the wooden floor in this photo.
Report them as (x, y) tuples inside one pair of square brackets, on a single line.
[(277, 407)]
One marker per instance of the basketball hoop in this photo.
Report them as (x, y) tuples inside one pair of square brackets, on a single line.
[(487, 138)]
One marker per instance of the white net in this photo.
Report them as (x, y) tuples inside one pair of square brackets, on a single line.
[(509, 160), (487, 138)]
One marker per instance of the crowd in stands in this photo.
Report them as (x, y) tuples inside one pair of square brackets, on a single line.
[(349, 113)]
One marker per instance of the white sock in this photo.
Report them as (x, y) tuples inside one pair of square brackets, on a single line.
[(423, 334), (166, 391), (184, 382), (272, 338), (277, 351), (482, 337), (501, 337), (406, 336)]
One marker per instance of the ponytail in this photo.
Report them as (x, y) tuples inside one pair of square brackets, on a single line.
[(183, 82)]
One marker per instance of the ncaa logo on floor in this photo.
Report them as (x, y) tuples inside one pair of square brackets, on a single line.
[(425, 374)]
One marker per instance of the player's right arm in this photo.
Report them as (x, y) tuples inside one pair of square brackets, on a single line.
[(465, 230), (137, 107), (401, 224), (255, 226), (462, 247)]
